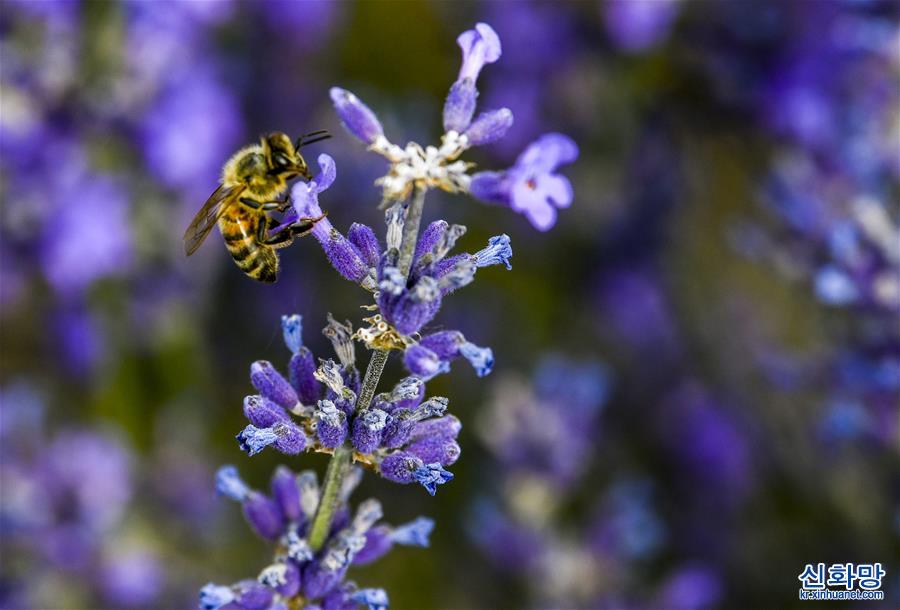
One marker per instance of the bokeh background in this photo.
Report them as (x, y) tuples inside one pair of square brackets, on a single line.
[(697, 368)]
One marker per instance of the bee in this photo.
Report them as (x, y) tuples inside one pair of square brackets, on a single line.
[(254, 183)]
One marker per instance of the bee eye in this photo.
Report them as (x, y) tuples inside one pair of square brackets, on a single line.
[(281, 160)]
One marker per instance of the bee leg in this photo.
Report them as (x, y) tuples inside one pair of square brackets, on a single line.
[(283, 237), (265, 206)]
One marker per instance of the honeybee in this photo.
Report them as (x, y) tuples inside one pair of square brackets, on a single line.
[(254, 183)]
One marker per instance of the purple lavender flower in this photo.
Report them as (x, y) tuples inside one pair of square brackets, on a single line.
[(297, 571), (531, 186)]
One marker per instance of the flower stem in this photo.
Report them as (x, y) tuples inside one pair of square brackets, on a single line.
[(340, 459), (411, 230), (334, 477)]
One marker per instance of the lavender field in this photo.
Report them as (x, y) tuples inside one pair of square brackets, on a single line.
[(673, 383)]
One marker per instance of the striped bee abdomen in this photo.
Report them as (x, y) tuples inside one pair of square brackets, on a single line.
[(240, 230)]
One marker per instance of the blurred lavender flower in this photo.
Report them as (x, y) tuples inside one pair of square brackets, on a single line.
[(845, 243), (298, 576), (637, 25), (548, 429), (63, 499)]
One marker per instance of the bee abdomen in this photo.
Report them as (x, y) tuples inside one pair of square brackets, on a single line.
[(259, 262), (256, 260)]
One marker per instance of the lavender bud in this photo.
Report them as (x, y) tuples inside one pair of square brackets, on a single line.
[(367, 514), (430, 237), (253, 440), (284, 577), (460, 274), (291, 439), (447, 241), (331, 426), (414, 533), (498, 251), (292, 330), (408, 389), (263, 515), (252, 595), (229, 484), (430, 476), (423, 362), (308, 484), (446, 427), (272, 385), (425, 290), (410, 314), (287, 493), (435, 450), (444, 344), (481, 358), (213, 597), (356, 116), (375, 599), (363, 237), (379, 541), (344, 257), (302, 370), (460, 105), (396, 432), (367, 428), (400, 467), (262, 412), (489, 127)]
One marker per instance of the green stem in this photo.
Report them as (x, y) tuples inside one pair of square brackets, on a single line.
[(334, 477), (340, 459), (411, 230)]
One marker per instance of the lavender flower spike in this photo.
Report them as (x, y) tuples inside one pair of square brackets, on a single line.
[(531, 186), (356, 116)]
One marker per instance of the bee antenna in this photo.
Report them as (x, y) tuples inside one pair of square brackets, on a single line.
[(312, 138)]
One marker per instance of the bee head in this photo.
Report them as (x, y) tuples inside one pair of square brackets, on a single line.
[(279, 152)]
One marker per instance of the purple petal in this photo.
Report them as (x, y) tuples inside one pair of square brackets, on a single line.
[(547, 153)]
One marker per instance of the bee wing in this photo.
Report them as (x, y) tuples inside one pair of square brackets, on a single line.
[(206, 218)]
